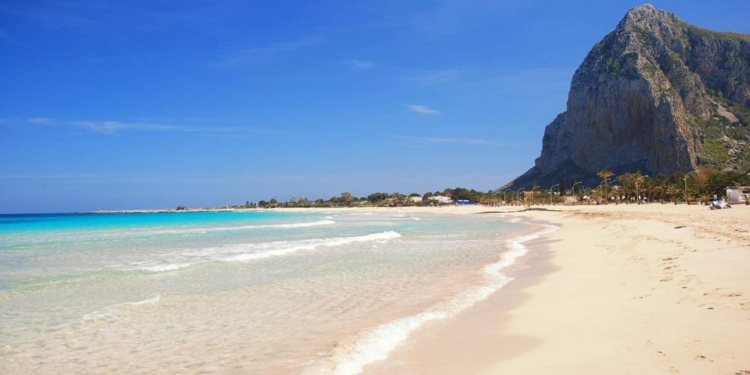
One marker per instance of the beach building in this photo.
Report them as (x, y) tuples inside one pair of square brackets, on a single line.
[(440, 199), (570, 199), (737, 194)]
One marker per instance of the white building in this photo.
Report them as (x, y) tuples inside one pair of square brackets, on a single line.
[(737, 194), (441, 199)]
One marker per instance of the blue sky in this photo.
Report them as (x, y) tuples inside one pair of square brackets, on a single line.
[(154, 104)]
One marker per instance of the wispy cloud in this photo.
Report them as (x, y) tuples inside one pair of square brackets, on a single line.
[(438, 76), (361, 64), (423, 110), (441, 141), (39, 121), (458, 141), (450, 16), (115, 127), (54, 15), (260, 55), (112, 127), (534, 80)]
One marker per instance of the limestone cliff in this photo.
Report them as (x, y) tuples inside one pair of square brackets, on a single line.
[(656, 95)]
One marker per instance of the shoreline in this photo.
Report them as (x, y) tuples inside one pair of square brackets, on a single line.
[(625, 289), (474, 340), (659, 289)]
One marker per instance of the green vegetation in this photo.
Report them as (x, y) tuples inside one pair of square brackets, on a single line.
[(716, 151), (716, 34), (702, 185), (738, 109), (599, 46), (615, 69), (626, 188), (742, 113), (712, 129), (651, 69), (622, 66), (685, 39), (381, 199), (641, 34)]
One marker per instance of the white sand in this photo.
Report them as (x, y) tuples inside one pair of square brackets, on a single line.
[(619, 290)]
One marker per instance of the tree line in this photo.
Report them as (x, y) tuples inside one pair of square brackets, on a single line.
[(377, 199), (702, 185)]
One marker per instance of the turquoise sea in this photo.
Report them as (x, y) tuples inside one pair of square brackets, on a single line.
[(237, 292)]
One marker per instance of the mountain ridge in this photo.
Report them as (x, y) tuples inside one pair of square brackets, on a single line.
[(656, 95)]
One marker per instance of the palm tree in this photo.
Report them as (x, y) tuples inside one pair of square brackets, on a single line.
[(605, 174), (598, 195), (674, 193), (654, 191), (638, 180), (627, 182)]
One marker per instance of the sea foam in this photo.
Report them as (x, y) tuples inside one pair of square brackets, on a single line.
[(242, 227), (377, 344), (111, 312), (331, 242), (122, 234), (256, 251), (166, 267)]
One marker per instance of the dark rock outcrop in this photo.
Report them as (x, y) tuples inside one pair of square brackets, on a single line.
[(656, 95)]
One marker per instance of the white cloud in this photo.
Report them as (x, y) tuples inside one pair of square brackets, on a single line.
[(438, 141), (361, 64), (423, 110), (40, 120), (111, 127), (258, 55), (460, 141), (114, 127), (438, 76)]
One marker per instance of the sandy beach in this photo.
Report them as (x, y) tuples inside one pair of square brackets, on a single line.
[(620, 289), (617, 289)]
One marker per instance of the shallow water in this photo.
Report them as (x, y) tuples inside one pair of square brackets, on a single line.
[(258, 292)]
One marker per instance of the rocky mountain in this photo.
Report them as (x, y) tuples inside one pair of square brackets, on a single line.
[(656, 95)]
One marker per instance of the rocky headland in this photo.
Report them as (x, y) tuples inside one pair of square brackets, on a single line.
[(656, 95)]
